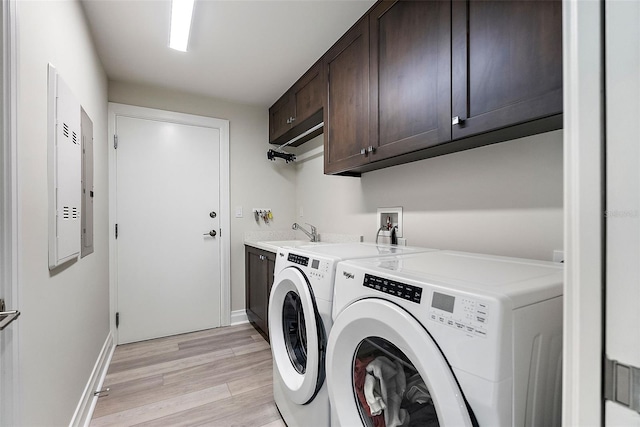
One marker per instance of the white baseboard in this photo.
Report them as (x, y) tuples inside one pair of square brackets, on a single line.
[(238, 317), (84, 411)]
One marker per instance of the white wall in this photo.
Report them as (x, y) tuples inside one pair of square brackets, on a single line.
[(65, 319), (255, 181), (503, 199)]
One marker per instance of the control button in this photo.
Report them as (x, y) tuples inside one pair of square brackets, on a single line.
[(481, 319), (433, 316), (440, 319), (450, 322), (470, 328), (460, 325)]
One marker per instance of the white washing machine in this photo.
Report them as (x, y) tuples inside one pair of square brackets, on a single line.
[(300, 307), (446, 338)]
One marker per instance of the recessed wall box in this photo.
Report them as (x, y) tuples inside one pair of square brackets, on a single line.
[(64, 171), (390, 217)]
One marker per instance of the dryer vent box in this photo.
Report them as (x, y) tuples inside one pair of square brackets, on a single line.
[(64, 158)]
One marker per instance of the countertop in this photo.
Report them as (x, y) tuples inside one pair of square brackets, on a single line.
[(271, 241)]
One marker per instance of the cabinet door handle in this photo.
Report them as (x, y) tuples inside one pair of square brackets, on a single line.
[(262, 258), (371, 149), (457, 121), (363, 151), (293, 119)]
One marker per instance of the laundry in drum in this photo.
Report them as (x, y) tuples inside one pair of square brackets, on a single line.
[(390, 391)]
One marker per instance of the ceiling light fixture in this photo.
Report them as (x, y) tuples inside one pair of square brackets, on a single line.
[(181, 12)]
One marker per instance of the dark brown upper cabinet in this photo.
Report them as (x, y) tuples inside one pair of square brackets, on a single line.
[(346, 115), (299, 109), (507, 63), (418, 79), (410, 71)]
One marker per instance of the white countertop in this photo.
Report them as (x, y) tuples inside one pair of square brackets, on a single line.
[(272, 240), (273, 246)]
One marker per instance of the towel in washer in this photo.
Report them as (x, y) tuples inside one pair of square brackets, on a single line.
[(384, 388), (359, 374)]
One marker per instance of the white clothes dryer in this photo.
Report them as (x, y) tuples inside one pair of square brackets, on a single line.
[(300, 307), (446, 338)]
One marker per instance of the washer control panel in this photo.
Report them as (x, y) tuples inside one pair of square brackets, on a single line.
[(391, 287), (462, 313), (315, 268), (298, 259), (318, 268)]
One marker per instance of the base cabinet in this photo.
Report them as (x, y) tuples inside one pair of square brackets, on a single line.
[(259, 269)]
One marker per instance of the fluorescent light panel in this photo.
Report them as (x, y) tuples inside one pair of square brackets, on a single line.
[(181, 12)]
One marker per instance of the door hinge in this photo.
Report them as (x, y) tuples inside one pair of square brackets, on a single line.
[(116, 231), (115, 141), (622, 384), (117, 320)]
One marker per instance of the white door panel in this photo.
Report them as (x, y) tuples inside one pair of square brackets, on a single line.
[(622, 27), (168, 279)]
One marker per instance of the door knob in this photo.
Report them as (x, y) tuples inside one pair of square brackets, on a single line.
[(212, 233), (212, 214)]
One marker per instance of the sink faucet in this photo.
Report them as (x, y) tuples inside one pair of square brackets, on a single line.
[(314, 232)]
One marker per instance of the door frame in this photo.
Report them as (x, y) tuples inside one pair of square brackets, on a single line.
[(116, 110), (584, 206), (9, 226)]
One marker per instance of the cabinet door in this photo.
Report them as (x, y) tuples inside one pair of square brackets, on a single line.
[(256, 288), (346, 116), (507, 63), (307, 94), (271, 266), (280, 115), (410, 76)]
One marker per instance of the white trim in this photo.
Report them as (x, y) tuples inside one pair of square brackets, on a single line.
[(87, 404), (224, 214), (239, 317), (9, 232), (583, 212)]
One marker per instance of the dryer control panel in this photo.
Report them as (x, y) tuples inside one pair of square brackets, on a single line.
[(462, 313)]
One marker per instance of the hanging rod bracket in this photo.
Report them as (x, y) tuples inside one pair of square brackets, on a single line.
[(288, 157)]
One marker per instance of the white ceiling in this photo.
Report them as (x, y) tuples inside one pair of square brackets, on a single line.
[(246, 51)]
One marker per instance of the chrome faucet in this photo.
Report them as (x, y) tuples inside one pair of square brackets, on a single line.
[(314, 232)]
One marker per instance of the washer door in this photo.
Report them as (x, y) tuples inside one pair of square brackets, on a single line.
[(369, 329), (297, 336)]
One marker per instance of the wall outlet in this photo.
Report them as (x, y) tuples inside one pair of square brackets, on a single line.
[(392, 216)]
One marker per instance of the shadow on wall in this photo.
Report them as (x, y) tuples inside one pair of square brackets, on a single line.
[(520, 174)]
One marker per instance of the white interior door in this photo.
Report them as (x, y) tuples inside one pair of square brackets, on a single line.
[(168, 266), (622, 26)]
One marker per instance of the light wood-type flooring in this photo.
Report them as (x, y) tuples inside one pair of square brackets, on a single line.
[(218, 377)]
